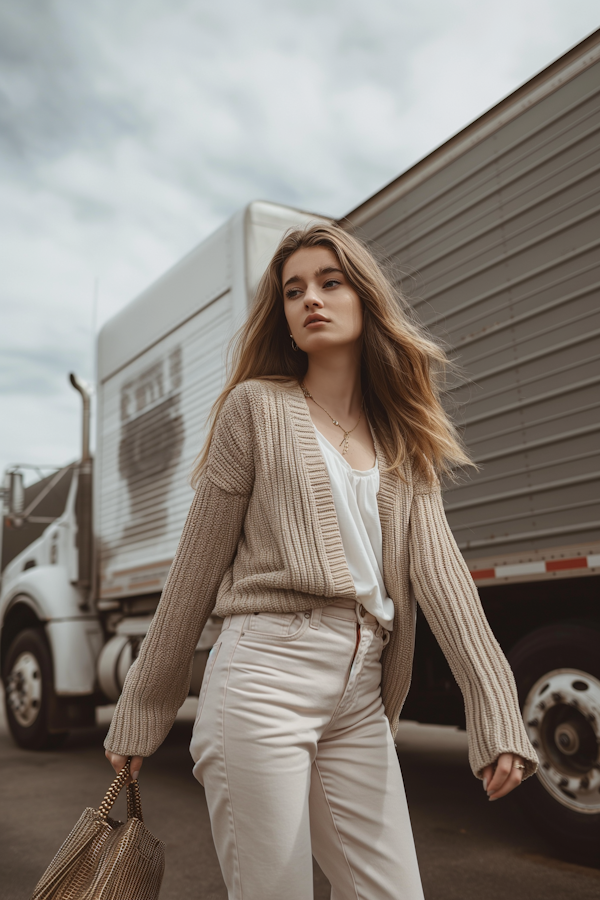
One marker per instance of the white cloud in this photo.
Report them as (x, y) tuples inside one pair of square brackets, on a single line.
[(130, 131)]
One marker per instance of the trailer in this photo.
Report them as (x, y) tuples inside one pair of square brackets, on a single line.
[(495, 239)]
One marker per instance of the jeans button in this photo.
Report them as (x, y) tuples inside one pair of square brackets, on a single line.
[(307, 615)]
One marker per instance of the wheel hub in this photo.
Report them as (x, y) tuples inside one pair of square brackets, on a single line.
[(24, 689), (562, 718), (566, 738)]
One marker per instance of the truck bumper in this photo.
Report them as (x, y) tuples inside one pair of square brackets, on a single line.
[(76, 645)]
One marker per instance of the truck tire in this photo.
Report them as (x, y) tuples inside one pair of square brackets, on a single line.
[(29, 691), (557, 670)]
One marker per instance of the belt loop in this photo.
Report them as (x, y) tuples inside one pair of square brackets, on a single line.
[(315, 617)]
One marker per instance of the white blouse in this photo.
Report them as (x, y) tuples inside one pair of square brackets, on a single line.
[(355, 500)]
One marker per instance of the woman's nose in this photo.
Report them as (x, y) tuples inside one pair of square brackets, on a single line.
[(311, 298)]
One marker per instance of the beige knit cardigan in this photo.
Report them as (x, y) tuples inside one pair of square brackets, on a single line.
[(262, 535)]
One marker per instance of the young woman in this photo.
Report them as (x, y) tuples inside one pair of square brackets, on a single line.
[(317, 520)]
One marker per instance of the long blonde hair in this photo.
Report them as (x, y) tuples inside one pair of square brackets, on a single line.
[(403, 369)]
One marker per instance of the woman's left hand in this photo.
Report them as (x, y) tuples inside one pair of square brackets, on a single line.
[(500, 778)]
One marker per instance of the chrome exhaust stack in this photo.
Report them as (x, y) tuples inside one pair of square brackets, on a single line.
[(83, 389), (83, 503)]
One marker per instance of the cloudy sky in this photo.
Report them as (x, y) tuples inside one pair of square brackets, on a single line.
[(130, 131)]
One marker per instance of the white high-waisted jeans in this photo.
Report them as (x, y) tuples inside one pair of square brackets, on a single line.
[(297, 759)]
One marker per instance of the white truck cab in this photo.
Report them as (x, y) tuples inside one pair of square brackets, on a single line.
[(51, 635)]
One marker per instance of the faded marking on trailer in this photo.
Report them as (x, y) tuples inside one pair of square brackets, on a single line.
[(151, 441), (136, 578), (165, 563)]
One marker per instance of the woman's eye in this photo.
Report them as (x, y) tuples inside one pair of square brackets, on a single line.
[(330, 282), (292, 293)]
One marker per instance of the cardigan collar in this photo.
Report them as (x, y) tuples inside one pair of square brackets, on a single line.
[(387, 495)]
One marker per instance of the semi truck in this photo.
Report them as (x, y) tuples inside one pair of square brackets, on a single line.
[(87, 548), (494, 238)]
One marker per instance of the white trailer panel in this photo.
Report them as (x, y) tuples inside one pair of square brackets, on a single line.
[(161, 365)]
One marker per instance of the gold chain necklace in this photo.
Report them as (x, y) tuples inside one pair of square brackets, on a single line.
[(344, 440)]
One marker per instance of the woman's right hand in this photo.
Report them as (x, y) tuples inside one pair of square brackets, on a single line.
[(117, 762)]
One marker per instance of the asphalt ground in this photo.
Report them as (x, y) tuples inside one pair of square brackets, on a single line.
[(468, 848)]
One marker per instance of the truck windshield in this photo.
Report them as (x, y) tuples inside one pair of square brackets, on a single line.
[(15, 540)]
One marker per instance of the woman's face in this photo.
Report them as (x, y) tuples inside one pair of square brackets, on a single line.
[(322, 309)]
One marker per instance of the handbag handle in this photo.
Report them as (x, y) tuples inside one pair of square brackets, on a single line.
[(134, 800)]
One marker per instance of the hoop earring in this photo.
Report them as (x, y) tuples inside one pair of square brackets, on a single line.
[(294, 344)]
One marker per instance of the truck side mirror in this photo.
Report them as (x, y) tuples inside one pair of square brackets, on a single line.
[(16, 494)]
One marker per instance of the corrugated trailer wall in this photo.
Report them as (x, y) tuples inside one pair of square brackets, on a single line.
[(154, 415), (161, 366), (501, 246)]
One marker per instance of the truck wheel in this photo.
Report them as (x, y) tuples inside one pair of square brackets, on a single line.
[(557, 670), (29, 691)]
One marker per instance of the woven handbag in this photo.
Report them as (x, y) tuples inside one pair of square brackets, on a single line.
[(103, 859)]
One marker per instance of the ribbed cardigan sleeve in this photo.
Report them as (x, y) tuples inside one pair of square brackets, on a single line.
[(447, 595), (158, 681)]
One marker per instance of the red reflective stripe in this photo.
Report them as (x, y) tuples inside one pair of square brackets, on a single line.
[(579, 562), (551, 565), (483, 573)]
